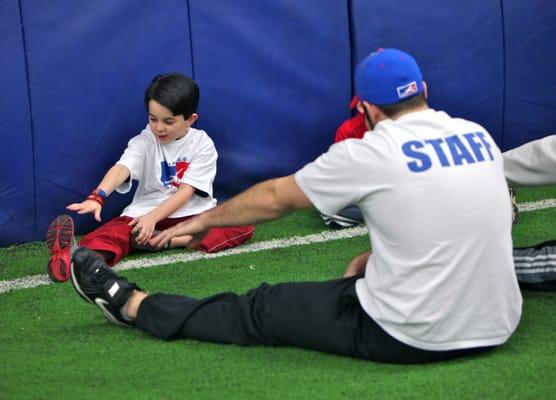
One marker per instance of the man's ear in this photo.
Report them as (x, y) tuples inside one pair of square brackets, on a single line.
[(425, 90), (193, 117), (360, 108)]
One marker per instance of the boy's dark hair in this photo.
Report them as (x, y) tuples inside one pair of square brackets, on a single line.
[(391, 110), (176, 92)]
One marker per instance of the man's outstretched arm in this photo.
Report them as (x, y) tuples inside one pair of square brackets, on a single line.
[(263, 202), (532, 164)]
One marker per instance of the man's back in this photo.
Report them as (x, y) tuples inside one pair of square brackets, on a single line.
[(433, 195), (440, 224)]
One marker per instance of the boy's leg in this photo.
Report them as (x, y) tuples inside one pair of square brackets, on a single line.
[(60, 239), (217, 239), (112, 239), (323, 316), (535, 266)]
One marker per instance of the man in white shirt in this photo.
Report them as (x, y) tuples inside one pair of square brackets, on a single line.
[(534, 164), (440, 282)]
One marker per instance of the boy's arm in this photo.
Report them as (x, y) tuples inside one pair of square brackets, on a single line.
[(115, 176), (144, 225)]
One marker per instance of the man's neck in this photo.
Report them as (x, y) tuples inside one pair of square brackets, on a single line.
[(411, 110)]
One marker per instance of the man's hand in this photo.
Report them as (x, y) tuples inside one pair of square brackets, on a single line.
[(194, 227), (357, 265), (143, 228), (87, 206)]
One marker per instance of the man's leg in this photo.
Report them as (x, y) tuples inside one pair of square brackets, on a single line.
[(315, 315), (324, 316), (535, 266), (346, 218)]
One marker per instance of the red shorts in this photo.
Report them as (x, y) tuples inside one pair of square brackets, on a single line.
[(115, 237)]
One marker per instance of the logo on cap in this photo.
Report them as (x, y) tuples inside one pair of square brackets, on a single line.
[(407, 90)]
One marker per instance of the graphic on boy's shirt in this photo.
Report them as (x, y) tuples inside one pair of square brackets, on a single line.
[(172, 174)]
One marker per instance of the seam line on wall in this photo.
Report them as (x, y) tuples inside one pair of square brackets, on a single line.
[(31, 125), (504, 60), (352, 46), (190, 39)]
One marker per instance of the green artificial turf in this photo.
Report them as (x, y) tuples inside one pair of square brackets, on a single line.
[(535, 194), (53, 345)]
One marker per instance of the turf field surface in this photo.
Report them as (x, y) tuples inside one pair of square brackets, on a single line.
[(53, 345)]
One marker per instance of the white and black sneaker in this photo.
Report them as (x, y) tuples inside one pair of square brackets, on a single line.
[(96, 283)]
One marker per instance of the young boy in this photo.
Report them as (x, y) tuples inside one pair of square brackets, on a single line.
[(175, 166)]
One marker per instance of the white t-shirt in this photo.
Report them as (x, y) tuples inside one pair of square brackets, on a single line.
[(161, 168), (433, 195), (532, 164)]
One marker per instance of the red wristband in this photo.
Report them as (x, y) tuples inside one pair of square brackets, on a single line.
[(96, 197)]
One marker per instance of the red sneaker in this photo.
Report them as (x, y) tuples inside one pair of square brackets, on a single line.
[(59, 238)]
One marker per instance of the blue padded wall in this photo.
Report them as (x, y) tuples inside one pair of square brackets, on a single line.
[(275, 80), (275, 83), (17, 211), (459, 46), (89, 64), (530, 84)]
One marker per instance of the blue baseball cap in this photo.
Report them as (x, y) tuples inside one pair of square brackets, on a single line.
[(388, 76)]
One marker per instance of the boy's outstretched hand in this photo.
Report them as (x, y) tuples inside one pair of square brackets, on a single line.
[(85, 207)]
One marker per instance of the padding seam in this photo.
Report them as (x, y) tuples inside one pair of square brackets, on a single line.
[(31, 126)]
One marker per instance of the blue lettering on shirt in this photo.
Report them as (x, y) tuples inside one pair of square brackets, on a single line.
[(487, 145), (410, 150), (459, 151), (475, 145), (450, 151), (436, 144)]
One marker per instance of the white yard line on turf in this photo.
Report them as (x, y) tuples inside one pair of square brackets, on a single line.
[(38, 280), (536, 205)]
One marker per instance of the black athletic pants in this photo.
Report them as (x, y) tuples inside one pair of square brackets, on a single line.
[(323, 316), (535, 266)]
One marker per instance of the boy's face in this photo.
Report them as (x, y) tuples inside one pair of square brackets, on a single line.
[(167, 126)]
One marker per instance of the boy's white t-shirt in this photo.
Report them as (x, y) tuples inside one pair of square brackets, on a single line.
[(161, 168), (433, 195)]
